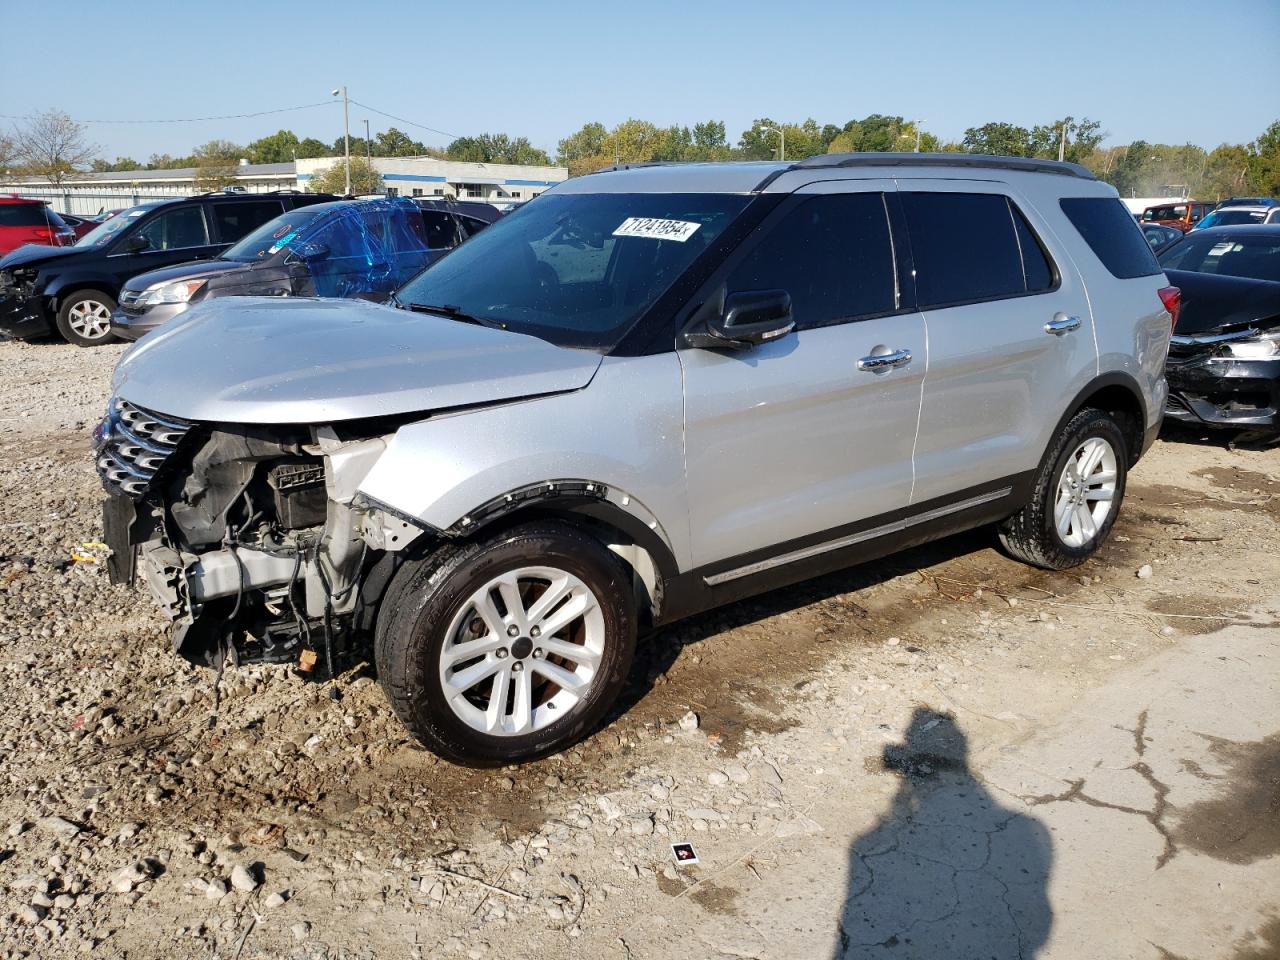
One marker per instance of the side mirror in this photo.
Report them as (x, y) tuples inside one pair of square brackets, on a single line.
[(314, 251), (136, 244), (745, 319)]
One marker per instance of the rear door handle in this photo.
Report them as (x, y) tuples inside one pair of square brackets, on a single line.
[(1061, 323), (878, 362)]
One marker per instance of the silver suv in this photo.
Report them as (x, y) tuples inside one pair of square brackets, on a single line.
[(650, 391)]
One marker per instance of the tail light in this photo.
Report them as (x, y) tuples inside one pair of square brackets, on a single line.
[(44, 234), (1171, 297)]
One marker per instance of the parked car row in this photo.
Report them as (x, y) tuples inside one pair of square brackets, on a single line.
[(302, 244)]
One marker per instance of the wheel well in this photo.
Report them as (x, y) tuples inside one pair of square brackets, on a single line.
[(56, 299), (647, 570), (1123, 404)]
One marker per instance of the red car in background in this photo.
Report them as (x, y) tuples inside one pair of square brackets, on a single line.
[(31, 221), (1182, 215), (81, 225)]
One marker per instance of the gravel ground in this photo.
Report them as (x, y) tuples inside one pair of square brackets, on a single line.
[(134, 822)]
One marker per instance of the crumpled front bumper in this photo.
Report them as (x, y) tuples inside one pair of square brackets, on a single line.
[(22, 314), (1224, 391)]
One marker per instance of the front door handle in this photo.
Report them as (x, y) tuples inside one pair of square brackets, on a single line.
[(877, 362), (1061, 323)]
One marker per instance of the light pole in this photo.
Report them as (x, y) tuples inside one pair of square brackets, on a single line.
[(782, 141), (917, 126), (346, 134)]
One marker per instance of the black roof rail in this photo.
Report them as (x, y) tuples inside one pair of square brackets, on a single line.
[(979, 161)]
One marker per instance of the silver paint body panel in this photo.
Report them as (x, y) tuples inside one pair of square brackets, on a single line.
[(298, 360)]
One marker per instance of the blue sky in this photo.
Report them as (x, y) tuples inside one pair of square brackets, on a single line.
[(543, 69)]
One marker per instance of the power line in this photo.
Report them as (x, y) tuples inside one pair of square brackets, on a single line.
[(229, 116), (412, 123)]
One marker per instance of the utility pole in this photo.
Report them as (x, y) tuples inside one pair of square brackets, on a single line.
[(346, 134), (368, 145), (1062, 144), (918, 132)]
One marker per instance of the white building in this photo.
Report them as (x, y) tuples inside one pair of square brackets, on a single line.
[(89, 193)]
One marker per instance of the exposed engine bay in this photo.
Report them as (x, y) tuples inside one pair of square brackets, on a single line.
[(247, 537)]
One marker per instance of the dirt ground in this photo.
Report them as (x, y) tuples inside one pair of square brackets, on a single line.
[(944, 753)]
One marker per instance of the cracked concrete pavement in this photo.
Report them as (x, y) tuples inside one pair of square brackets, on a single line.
[(1144, 822)]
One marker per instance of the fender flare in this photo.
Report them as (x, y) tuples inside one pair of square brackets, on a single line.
[(591, 499), (61, 284), (1115, 378)]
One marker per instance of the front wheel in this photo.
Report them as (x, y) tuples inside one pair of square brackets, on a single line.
[(1077, 495), (84, 318), (507, 649)]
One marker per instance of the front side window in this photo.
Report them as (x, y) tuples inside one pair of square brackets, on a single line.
[(970, 247), (577, 270), (442, 230), (832, 253), (237, 219), (176, 229)]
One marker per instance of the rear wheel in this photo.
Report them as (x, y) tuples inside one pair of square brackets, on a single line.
[(1077, 495), (84, 318), (507, 649)]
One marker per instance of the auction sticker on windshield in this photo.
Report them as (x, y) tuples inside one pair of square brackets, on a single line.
[(655, 229)]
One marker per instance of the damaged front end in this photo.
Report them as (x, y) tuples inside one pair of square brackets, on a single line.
[(248, 537), (1228, 377)]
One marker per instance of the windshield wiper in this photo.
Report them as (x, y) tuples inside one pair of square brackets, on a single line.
[(451, 311)]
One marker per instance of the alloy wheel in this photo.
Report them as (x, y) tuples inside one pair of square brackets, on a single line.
[(522, 651), (1086, 491), (91, 319)]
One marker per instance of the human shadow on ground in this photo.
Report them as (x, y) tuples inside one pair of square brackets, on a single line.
[(947, 871)]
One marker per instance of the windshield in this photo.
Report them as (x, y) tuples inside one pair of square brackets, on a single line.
[(106, 232), (274, 235), (575, 269), (1231, 218), (1257, 258)]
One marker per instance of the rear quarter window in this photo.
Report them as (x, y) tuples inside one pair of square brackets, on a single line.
[(27, 215), (1111, 234)]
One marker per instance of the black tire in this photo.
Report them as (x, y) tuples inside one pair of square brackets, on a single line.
[(427, 594), (78, 300), (1031, 534)]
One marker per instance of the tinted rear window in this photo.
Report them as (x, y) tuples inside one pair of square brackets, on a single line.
[(1112, 235), (970, 247), (26, 215)]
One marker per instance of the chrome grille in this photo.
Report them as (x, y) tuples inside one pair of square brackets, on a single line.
[(131, 444)]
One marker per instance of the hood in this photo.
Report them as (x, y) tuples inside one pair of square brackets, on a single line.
[(1211, 301), (268, 360), (184, 271), (37, 255)]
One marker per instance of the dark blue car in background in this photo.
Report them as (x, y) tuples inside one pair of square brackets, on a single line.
[(351, 248)]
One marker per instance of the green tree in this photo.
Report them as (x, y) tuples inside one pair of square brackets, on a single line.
[(216, 164), (1082, 138), (332, 179), (583, 151), (279, 147), (397, 143), (1264, 160), (115, 166), (496, 148), (309, 148), (760, 143), (1000, 139)]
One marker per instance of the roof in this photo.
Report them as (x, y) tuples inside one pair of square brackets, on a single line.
[(756, 176), (248, 170)]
